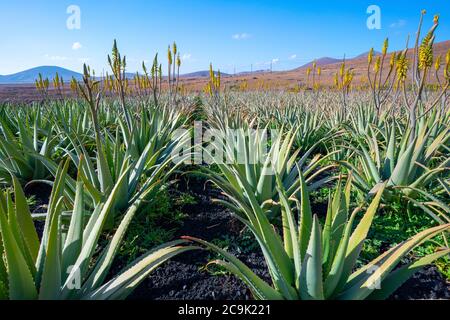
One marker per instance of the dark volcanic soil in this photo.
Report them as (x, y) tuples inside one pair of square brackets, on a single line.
[(41, 194), (428, 284), (185, 277)]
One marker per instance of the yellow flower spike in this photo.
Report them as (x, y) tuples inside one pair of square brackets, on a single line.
[(402, 67), (385, 46), (447, 66), (377, 66), (437, 64), (169, 56), (175, 49), (74, 85), (178, 61), (426, 54), (152, 72), (436, 19), (370, 56), (392, 61)]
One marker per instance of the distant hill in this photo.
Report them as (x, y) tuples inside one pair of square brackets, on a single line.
[(365, 54), (201, 74), (321, 62), (329, 67), (29, 76), (327, 60), (245, 73), (359, 62)]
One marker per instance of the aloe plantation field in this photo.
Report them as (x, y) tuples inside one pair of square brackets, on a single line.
[(138, 187)]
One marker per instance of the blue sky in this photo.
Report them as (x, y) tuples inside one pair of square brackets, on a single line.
[(229, 33)]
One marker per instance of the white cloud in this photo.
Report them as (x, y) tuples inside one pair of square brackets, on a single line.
[(398, 24), (186, 56), (240, 36), (267, 63), (77, 46), (84, 60), (55, 58), (293, 57)]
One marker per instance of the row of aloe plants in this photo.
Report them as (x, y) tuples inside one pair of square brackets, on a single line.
[(389, 152), (252, 200), (105, 159), (116, 152)]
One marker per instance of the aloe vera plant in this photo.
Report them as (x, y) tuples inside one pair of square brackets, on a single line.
[(434, 205), (314, 262), (131, 178), (19, 141), (147, 149), (384, 132), (398, 161), (310, 127), (247, 162), (65, 264)]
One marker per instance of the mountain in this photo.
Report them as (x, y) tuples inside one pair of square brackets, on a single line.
[(321, 62), (29, 76), (365, 54), (246, 73), (201, 74), (329, 67), (327, 60)]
